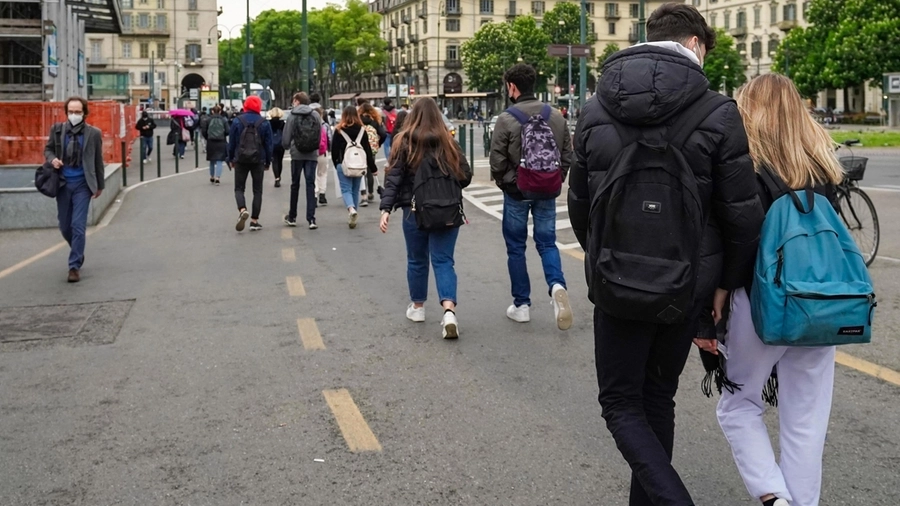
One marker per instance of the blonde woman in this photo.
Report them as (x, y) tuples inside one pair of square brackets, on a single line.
[(785, 138), (276, 120)]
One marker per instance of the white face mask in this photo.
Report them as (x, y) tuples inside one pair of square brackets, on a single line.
[(76, 119), (697, 52)]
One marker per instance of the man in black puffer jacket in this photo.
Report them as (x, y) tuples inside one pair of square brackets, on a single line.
[(645, 90)]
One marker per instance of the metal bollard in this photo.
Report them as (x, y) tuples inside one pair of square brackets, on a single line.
[(124, 165), (177, 157), (158, 157), (141, 141), (472, 145), (196, 149), (462, 138)]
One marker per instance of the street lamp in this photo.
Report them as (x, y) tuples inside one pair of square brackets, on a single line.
[(758, 52)]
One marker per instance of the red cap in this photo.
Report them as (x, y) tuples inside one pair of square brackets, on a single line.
[(253, 103)]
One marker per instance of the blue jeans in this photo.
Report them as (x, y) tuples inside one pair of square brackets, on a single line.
[(439, 245), (72, 204), (515, 233), (179, 148), (387, 146), (215, 168), (307, 170), (349, 188), (146, 146)]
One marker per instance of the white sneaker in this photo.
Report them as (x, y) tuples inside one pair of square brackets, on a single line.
[(353, 217), (415, 314), (521, 314), (450, 325), (562, 311), (781, 502)]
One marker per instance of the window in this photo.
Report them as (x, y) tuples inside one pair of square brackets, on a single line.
[(537, 8), (192, 51), (757, 16), (425, 25), (452, 25), (635, 10), (727, 18), (512, 8), (192, 21), (160, 4), (161, 21), (453, 6), (741, 19), (756, 49), (590, 8), (713, 19), (145, 77), (742, 50), (128, 4), (485, 21), (452, 53), (145, 50), (96, 49), (144, 2), (695, 3), (612, 28), (790, 12), (161, 50), (773, 13), (162, 77), (126, 22), (487, 7), (143, 21), (773, 47), (126, 50), (192, 5), (612, 10), (805, 10)]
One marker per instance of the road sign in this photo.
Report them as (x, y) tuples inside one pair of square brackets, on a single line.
[(562, 50), (392, 91), (412, 90), (194, 93)]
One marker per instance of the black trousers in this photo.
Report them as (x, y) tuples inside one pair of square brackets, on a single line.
[(638, 365), (307, 170), (277, 161), (240, 184)]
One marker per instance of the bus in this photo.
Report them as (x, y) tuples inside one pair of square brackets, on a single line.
[(235, 96)]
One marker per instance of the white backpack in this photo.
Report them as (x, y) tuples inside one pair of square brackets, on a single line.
[(354, 164)]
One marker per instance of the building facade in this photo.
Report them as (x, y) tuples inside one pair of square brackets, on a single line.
[(167, 48), (424, 37)]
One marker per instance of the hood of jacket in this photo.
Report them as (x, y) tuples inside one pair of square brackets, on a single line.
[(388, 108), (302, 109), (316, 107), (648, 84)]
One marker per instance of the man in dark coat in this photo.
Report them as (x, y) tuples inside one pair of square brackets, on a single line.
[(643, 91), (216, 142)]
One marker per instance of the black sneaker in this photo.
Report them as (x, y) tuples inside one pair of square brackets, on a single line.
[(255, 227), (289, 222), (278, 183), (322, 200), (312, 225), (371, 197)]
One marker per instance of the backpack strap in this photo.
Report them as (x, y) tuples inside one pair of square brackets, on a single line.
[(693, 116), (358, 141), (346, 137), (545, 112), (778, 188), (519, 114)]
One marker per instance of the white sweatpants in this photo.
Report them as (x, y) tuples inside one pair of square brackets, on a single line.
[(805, 384), (322, 174)]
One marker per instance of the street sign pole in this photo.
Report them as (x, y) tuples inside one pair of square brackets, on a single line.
[(582, 69), (570, 80), (304, 50)]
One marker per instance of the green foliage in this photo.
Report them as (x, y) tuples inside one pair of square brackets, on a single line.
[(610, 49), (569, 32), (723, 65), (533, 48), (498, 46)]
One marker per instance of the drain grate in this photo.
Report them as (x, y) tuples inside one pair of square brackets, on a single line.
[(71, 324)]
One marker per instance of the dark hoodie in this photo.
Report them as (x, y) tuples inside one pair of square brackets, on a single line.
[(648, 87), (287, 140), (145, 121)]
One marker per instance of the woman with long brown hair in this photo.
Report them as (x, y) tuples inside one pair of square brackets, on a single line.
[(784, 138), (377, 134), (427, 163), (350, 127)]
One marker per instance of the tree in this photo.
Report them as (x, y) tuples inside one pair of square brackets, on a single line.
[(610, 49), (563, 25), (533, 49), (487, 55), (723, 65)]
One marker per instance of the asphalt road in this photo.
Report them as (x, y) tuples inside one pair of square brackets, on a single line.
[(208, 394)]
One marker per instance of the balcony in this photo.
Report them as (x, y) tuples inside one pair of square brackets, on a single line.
[(150, 31), (393, 69), (613, 15), (395, 23), (740, 31), (192, 62), (512, 13), (406, 18), (400, 42), (453, 64), (454, 10), (422, 65), (422, 13), (413, 38), (788, 25), (97, 62), (390, 45), (633, 37)]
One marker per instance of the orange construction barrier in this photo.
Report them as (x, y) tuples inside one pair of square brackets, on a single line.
[(24, 127)]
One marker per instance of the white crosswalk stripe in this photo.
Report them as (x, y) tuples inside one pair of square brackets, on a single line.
[(489, 199)]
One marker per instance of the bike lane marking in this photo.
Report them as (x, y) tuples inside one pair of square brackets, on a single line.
[(309, 334), (295, 286), (357, 434), (288, 254)]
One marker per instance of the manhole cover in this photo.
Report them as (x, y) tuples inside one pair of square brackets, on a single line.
[(74, 324)]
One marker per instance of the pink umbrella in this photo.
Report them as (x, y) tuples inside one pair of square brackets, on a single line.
[(180, 112)]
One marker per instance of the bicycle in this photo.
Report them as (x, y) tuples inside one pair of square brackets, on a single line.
[(855, 207)]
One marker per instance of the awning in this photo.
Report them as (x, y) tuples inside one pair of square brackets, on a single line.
[(342, 96), (373, 95), (423, 95), (100, 16), (471, 95)]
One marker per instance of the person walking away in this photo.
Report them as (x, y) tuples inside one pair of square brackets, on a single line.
[(191, 123), (178, 135), (390, 122), (352, 157), (425, 178), (249, 153), (145, 126), (664, 232), (76, 150), (787, 141), (376, 134), (204, 116), (322, 160), (276, 121), (303, 134), (214, 131), (531, 151)]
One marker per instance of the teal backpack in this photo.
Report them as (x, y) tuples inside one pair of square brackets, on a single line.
[(811, 286)]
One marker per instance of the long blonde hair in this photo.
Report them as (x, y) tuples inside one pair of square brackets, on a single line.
[(784, 136)]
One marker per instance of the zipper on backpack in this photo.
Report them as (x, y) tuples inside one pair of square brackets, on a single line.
[(779, 267), (819, 296)]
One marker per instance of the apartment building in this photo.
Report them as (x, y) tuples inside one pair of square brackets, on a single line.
[(424, 37), (166, 49)]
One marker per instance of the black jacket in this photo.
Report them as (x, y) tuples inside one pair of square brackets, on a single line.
[(382, 133), (145, 122), (339, 145), (649, 87), (398, 182)]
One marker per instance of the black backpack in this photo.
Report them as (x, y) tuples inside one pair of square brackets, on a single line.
[(306, 133), (647, 222), (249, 151), (437, 201)]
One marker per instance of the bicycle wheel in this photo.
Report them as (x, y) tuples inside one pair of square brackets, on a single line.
[(858, 213)]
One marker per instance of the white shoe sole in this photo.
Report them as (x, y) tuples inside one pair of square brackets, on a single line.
[(451, 331), (353, 219), (242, 221), (564, 318)]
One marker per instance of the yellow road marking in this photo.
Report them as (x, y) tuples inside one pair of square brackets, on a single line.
[(309, 334), (295, 286), (577, 253), (287, 233), (882, 373), (43, 254), (288, 254), (356, 431)]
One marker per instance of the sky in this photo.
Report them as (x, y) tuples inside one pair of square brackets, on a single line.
[(234, 12)]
